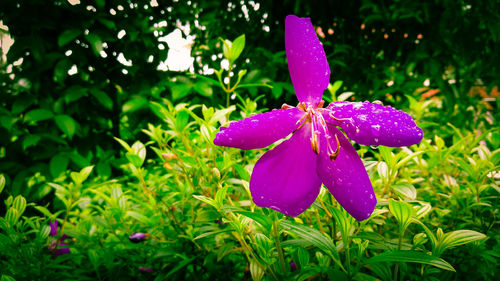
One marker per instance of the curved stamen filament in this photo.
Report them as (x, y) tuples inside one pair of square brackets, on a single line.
[(330, 113), (334, 155)]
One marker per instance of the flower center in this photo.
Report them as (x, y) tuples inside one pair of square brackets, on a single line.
[(314, 115)]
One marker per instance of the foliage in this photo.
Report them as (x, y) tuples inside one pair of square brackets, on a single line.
[(117, 149)]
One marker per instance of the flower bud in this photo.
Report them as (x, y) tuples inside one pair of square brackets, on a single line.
[(216, 173), (137, 237), (146, 269)]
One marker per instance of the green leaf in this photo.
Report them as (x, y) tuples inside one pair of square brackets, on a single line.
[(85, 172), (61, 70), (2, 182), (66, 124), (139, 150), (461, 237), (403, 213), (138, 216), (182, 264), (385, 152), (334, 88), (102, 98), (303, 257), (180, 90), (38, 115), (181, 120), (244, 175), (19, 204), (7, 278), (58, 164), (256, 271), (411, 256), (205, 199), (226, 48), (203, 89), (124, 144), (134, 159), (263, 220), (314, 237), (236, 48), (134, 104), (405, 190), (30, 140), (67, 36), (74, 93), (95, 42)]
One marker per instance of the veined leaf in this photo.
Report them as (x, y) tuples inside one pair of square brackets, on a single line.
[(411, 256), (403, 212), (314, 237), (263, 220)]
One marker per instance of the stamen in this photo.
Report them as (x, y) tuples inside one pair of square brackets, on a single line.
[(320, 104), (315, 143), (335, 118), (302, 106), (334, 155)]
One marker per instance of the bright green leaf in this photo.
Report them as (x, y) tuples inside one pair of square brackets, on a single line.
[(236, 48), (38, 115), (403, 212), (66, 124), (2, 182), (263, 220), (405, 190), (411, 256)]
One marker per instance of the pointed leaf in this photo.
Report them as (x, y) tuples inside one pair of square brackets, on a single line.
[(411, 256)]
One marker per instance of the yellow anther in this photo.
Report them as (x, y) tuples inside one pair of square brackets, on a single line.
[(315, 143)]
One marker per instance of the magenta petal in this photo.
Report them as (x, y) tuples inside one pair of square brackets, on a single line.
[(307, 62), (346, 177), (260, 130), (374, 124), (285, 178)]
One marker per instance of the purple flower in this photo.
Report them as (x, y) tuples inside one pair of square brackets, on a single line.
[(53, 228), (146, 269), (288, 178), (293, 267), (137, 237), (55, 245)]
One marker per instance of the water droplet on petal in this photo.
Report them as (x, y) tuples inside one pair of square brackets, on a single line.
[(375, 130)]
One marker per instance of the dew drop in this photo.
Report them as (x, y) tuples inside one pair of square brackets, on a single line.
[(375, 130), (374, 146), (362, 117), (357, 105)]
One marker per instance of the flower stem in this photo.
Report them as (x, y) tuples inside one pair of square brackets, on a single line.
[(278, 244), (396, 268)]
